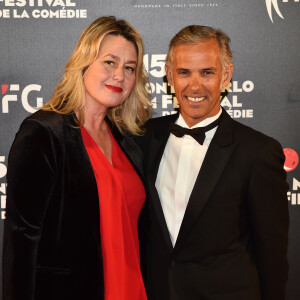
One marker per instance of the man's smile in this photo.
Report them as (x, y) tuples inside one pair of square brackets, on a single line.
[(196, 99)]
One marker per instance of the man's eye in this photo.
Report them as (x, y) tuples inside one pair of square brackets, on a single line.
[(208, 72), (183, 72)]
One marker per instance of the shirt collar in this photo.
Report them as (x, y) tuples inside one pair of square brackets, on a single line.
[(180, 121)]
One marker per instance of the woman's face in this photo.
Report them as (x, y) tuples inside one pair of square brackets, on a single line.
[(110, 79)]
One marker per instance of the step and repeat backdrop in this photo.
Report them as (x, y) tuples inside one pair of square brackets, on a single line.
[(37, 38)]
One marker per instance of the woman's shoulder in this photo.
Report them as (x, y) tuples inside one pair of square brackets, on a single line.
[(46, 117), (49, 123), (51, 119)]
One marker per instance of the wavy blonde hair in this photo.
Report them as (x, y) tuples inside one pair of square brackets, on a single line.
[(69, 95)]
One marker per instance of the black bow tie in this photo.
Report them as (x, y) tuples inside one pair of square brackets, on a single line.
[(197, 133)]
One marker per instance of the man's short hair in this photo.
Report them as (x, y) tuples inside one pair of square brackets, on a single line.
[(196, 33)]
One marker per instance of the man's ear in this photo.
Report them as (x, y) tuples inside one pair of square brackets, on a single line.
[(169, 75), (227, 75)]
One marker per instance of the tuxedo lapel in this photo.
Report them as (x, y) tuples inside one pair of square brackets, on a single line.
[(216, 158), (157, 144)]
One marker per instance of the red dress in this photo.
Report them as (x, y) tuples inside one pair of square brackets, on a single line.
[(121, 196)]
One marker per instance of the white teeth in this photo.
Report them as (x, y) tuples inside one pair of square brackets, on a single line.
[(196, 99)]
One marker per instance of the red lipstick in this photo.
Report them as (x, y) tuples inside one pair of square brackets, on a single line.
[(114, 88)]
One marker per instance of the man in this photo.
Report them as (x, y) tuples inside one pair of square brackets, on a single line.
[(218, 209)]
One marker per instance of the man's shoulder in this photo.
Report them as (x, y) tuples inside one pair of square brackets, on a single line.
[(160, 121), (248, 134)]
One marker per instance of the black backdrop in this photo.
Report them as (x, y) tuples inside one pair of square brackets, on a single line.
[(38, 36)]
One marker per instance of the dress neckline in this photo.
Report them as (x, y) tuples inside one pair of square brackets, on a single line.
[(99, 150)]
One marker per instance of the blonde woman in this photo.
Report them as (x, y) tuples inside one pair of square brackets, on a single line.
[(74, 178)]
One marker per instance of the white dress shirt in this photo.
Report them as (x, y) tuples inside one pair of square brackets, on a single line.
[(177, 173)]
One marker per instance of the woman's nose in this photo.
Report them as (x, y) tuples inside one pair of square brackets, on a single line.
[(119, 74)]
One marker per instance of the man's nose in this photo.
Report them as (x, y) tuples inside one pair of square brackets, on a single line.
[(119, 74), (195, 82)]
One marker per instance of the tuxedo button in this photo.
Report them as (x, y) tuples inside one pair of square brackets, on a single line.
[(173, 263)]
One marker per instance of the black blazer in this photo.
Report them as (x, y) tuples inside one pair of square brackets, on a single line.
[(52, 244), (232, 244)]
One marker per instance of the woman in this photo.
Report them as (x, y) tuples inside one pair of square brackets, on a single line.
[(74, 191)]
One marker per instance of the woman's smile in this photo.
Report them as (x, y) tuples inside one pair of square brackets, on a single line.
[(114, 88)]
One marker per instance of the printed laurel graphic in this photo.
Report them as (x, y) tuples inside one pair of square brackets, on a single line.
[(269, 4)]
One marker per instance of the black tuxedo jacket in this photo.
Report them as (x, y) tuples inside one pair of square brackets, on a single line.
[(52, 247), (232, 244)]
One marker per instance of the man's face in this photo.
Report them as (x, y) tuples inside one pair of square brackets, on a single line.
[(198, 79)]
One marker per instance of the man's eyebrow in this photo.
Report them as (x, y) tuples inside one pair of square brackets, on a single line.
[(182, 69), (209, 68), (203, 69)]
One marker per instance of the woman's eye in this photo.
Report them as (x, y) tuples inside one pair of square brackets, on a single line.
[(109, 62), (131, 69)]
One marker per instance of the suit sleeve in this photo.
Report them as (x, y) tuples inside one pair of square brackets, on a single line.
[(30, 181), (270, 219)]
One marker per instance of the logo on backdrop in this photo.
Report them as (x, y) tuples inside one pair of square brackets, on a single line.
[(148, 5), (164, 101), (12, 94), (269, 4), (274, 4), (232, 102), (290, 164), (3, 171), (291, 159), (41, 9)]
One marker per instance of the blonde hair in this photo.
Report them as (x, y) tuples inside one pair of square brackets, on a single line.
[(194, 34), (69, 95)]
